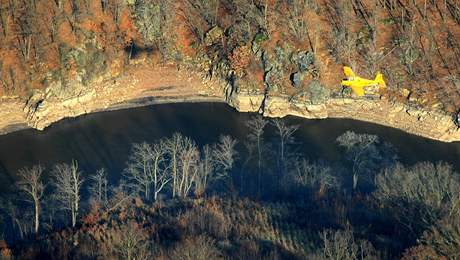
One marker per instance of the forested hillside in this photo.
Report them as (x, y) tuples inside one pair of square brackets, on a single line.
[(257, 197), (293, 47)]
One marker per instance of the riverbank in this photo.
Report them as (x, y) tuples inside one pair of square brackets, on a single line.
[(415, 120), (144, 86), (139, 87)]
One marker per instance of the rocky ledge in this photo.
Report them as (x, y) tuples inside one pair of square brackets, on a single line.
[(168, 86), (139, 88), (415, 120)]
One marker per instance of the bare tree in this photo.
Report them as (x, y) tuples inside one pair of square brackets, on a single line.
[(120, 197), (67, 182), (99, 186), (315, 176), (154, 20), (420, 195), (4, 21), (208, 9), (19, 220), (256, 127), (199, 248), (344, 41), (31, 183), (184, 160), (251, 15), (266, 16), (361, 150), (298, 20), (189, 157), (159, 174), (139, 169), (409, 51), (249, 156), (225, 153), (131, 242), (216, 161), (285, 133), (343, 245), (206, 166), (147, 168), (173, 145)]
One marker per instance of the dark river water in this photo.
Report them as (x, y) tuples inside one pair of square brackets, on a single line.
[(104, 139)]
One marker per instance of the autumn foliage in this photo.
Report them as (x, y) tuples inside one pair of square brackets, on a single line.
[(37, 37), (240, 59), (415, 44)]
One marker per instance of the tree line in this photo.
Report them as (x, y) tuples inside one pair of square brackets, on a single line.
[(416, 204), (174, 167)]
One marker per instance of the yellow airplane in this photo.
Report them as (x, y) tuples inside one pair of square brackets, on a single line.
[(360, 85)]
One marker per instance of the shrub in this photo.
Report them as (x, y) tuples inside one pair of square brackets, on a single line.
[(198, 248), (444, 237), (342, 245), (202, 220), (316, 177), (318, 93), (240, 59), (260, 37), (421, 252), (131, 242)]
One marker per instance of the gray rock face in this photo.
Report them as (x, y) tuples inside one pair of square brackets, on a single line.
[(305, 61), (419, 121), (275, 67), (297, 79)]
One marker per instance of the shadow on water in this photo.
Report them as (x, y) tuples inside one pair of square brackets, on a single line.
[(104, 139)]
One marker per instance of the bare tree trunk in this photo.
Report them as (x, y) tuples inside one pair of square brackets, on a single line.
[(256, 127), (31, 183), (67, 182), (76, 191), (174, 173), (174, 145), (155, 178), (160, 174), (37, 215)]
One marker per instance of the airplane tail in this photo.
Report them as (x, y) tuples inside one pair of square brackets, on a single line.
[(379, 80)]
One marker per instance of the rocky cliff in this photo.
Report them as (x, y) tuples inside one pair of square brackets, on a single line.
[(66, 58), (140, 87)]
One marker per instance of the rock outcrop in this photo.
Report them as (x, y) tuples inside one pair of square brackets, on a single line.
[(46, 107), (419, 121), (140, 88)]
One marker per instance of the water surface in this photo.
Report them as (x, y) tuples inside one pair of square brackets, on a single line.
[(104, 139)]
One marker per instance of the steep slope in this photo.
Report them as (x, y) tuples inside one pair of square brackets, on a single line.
[(63, 50)]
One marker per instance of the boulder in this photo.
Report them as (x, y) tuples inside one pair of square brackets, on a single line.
[(405, 92), (304, 60), (297, 79)]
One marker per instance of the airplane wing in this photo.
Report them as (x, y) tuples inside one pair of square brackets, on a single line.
[(348, 72)]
